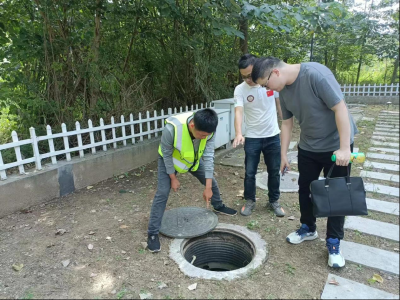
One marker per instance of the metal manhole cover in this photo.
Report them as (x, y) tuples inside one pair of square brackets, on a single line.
[(188, 222)]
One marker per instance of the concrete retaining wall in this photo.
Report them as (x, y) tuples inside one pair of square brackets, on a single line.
[(373, 99), (19, 192)]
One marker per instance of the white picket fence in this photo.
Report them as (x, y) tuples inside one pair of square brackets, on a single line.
[(348, 90), (152, 129), (370, 90)]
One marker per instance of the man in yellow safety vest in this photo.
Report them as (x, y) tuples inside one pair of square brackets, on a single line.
[(187, 145)]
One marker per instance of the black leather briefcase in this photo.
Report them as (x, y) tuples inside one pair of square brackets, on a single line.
[(341, 196)]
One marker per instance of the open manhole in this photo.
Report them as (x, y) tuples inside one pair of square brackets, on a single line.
[(227, 252)]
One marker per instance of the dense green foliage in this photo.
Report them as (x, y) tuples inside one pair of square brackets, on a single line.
[(62, 61)]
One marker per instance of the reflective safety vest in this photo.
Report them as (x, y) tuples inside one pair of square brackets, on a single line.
[(184, 157)]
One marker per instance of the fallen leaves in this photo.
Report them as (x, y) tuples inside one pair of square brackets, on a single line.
[(241, 193), (377, 278), (17, 267), (60, 231), (333, 281)]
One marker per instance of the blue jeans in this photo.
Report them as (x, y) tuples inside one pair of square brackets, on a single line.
[(271, 149)]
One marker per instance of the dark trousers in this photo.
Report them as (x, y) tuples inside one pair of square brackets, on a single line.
[(310, 167), (162, 194), (271, 149)]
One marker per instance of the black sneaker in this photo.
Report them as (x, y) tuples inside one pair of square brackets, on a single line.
[(224, 210), (153, 243)]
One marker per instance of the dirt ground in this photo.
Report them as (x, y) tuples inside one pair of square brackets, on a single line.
[(112, 217)]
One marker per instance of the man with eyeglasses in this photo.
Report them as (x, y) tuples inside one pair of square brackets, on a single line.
[(310, 92), (259, 107)]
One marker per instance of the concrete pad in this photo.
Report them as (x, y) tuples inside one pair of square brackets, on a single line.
[(390, 112), (349, 289), (384, 150), (292, 145), (289, 182), (387, 144), (234, 159), (383, 206), (383, 156), (380, 176), (356, 116), (372, 227), (382, 189), (384, 118), (387, 133), (387, 123), (389, 117), (368, 119), (383, 129), (371, 257), (292, 157), (377, 126), (382, 166), (385, 138)]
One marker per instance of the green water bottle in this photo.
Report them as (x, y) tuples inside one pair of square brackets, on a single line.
[(358, 157)]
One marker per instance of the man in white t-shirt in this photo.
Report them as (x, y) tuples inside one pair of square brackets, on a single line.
[(259, 106)]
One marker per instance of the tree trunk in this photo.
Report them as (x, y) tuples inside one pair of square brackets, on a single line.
[(244, 27), (326, 57), (335, 60), (96, 45), (360, 59), (395, 69), (135, 31)]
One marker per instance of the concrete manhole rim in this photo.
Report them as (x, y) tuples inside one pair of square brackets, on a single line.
[(257, 243)]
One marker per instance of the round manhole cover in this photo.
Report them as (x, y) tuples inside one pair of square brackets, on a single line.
[(188, 222)]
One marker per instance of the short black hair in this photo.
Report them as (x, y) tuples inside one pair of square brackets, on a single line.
[(206, 120), (264, 65), (246, 60)]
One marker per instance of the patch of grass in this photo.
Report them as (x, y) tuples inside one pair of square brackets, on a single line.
[(28, 295), (142, 251), (121, 293), (253, 224), (290, 269), (270, 228)]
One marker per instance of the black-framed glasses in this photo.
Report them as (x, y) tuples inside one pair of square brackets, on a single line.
[(246, 77), (266, 85)]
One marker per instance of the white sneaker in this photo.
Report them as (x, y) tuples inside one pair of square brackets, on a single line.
[(302, 234), (336, 259)]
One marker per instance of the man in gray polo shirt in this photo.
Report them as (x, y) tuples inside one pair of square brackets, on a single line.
[(310, 92)]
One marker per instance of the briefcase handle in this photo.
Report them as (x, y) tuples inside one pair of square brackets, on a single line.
[(328, 177)]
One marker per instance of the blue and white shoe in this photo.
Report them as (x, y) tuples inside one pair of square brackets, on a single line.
[(336, 259), (302, 234)]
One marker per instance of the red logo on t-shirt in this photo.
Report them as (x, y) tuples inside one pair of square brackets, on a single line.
[(270, 93)]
